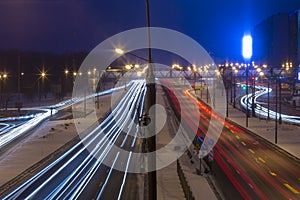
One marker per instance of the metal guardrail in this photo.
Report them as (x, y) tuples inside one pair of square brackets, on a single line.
[(186, 188)]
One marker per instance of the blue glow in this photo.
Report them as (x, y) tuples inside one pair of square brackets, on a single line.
[(247, 46), (298, 76)]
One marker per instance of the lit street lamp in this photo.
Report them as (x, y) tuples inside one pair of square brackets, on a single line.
[(42, 76), (234, 87), (247, 54), (2, 78), (150, 101)]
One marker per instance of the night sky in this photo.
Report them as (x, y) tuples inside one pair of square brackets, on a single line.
[(64, 26)]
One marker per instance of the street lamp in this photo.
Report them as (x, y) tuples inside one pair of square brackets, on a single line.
[(253, 77), (150, 101), (236, 71), (285, 67), (122, 52), (66, 72), (119, 51), (42, 76), (2, 78), (247, 54)]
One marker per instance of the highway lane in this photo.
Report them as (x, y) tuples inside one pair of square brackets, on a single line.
[(262, 111), (256, 168), (71, 175), (23, 124)]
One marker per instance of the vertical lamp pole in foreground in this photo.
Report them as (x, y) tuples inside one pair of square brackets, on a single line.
[(150, 101), (276, 109), (253, 95), (268, 100), (247, 54)]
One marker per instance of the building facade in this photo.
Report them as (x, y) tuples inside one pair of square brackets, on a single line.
[(271, 40), (294, 38)]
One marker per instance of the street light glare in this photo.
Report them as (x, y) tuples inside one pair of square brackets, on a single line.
[(247, 46), (127, 67), (119, 51), (136, 66)]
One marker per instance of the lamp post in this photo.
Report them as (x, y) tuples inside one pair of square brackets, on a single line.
[(253, 95), (285, 67), (276, 102), (268, 100), (247, 54), (226, 88), (277, 80), (2, 78), (231, 77), (234, 87), (150, 101), (201, 82), (65, 86), (42, 76)]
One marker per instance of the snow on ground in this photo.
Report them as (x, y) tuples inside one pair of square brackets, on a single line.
[(44, 140)]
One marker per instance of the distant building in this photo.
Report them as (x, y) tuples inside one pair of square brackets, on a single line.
[(271, 40), (294, 38), (276, 42)]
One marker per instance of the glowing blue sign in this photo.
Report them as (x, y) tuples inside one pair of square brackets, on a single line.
[(299, 76), (247, 46)]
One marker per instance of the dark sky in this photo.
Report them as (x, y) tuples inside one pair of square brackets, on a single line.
[(59, 26)]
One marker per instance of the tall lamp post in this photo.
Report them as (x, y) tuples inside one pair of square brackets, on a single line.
[(150, 101), (42, 76), (2, 78), (66, 82), (236, 71), (247, 54), (285, 67)]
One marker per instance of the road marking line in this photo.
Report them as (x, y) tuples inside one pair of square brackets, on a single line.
[(272, 173), (251, 151), (293, 190), (237, 137), (251, 185), (262, 160), (244, 143)]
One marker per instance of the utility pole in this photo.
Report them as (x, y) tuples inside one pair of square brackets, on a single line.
[(234, 90), (253, 95), (276, 110), (279, 83), (150, 101), (268, 100), (247, 92)]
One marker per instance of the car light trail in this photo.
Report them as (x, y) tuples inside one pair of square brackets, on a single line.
[(263, 111), (101, 139), (15, 132), (245, 158)]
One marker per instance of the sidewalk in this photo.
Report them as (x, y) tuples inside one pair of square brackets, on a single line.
[(288, 134), (168, 184)]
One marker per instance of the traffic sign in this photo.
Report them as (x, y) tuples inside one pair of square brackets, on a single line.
[(200, 139)]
